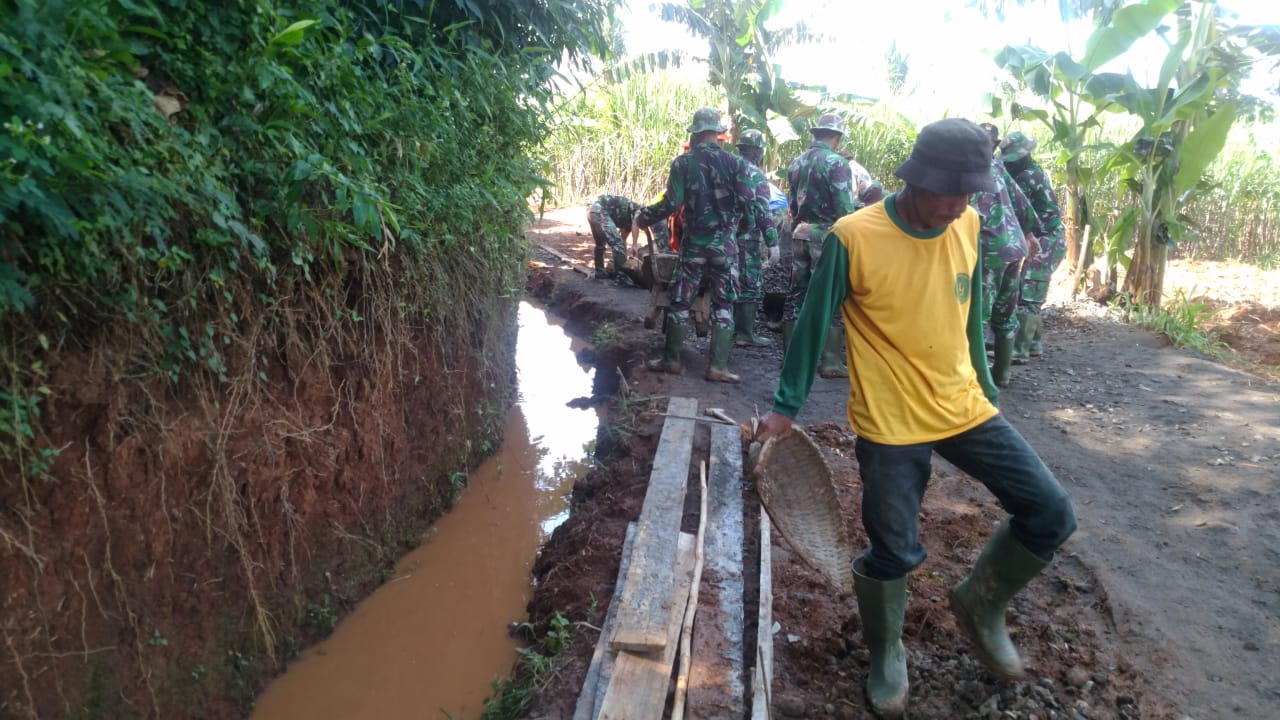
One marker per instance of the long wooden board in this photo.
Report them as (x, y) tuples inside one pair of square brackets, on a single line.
[(716, 686), (762, 678), (638, 686), (601, 668), (645, 612)]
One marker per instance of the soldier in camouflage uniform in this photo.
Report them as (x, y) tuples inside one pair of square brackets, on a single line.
[(1009, 231), (754, 235), (821, 191), (713, 187), (611, 218), (1015, 150)]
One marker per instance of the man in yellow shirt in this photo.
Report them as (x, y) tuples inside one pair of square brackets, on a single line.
[(906, 277)]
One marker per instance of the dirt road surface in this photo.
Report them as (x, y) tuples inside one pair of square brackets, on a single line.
[(1165, 603)]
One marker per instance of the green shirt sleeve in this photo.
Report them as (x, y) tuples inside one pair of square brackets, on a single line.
[(827, 290), (977, 344)]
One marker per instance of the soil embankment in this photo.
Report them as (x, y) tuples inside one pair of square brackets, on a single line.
[(190, 538), (1163, 605)]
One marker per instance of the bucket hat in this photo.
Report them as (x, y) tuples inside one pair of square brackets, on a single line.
[(705, 119), (831, 122), (751, 138), (1016, 146), (950, 157)]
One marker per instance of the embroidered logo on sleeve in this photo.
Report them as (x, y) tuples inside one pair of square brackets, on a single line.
[(962, 287)]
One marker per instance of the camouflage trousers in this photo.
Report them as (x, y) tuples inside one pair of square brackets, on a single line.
[(718, 263), (605, 232), (1039, 270), (806, 251), (1001, 283), (750, 268)]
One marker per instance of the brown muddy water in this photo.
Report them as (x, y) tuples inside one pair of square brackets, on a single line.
[(428, 643)]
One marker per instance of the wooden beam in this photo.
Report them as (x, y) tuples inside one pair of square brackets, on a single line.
[(645, 612), (717, 685), (638, 686), (592, 695), (762, 678)]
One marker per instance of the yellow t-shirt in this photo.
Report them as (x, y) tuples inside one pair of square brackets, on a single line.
[(910, 370)]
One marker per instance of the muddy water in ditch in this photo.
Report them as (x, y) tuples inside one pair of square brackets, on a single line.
[(428, 642)]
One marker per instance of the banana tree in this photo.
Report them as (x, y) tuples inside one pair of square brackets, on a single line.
[(1185, 119), (1074, 96), (740, 48)]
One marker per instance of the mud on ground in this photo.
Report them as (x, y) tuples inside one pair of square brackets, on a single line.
[(1165, 603)]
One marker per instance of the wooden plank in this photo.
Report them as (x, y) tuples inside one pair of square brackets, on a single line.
[(601, 667), (762, 678), (638, 687), (645, 613), (691, 608), (717, 688)]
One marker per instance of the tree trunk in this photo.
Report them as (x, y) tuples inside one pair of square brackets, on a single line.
[(1074, 222), (1145, 280)]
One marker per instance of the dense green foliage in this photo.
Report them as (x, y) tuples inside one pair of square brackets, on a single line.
[(159, 157)]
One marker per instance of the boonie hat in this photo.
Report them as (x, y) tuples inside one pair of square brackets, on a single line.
[(1016, 146), (705, 119), (829, 121), (751, 138), (950, 157)]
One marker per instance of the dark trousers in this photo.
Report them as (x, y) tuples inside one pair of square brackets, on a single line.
[(894, 478)]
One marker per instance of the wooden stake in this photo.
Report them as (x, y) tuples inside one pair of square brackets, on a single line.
[(762, 678), (686, 630)]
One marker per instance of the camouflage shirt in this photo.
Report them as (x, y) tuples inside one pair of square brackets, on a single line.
[(713, 186), (1035, 184), (760, 222), (867, 189), (821, 186), (622, 210), (1007, 216)]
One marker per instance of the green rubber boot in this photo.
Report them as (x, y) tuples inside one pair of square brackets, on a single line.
[(1003, 357), (670, 360), (1036, 348), (1022, 341), (788, 329), (979, 601), (601, 271), (744, 326), (831, 364), (882, 605), (718, 369)]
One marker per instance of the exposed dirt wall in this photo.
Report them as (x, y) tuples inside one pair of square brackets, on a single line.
[(191, 537)]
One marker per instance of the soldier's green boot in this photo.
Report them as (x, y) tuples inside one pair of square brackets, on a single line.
[(1022, 341), (601, 271), (670, 360), (744, 325), (881, 606), (718, 369), (831, 364), (1036, 348), (979, 601), (1003, 357), (788, 329)]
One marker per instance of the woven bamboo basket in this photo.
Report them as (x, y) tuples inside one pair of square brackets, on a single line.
[(795, 487)]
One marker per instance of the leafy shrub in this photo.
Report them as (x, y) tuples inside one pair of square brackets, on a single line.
[(162, 160)]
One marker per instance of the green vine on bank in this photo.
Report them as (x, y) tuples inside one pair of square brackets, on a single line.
[(157, 157)]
